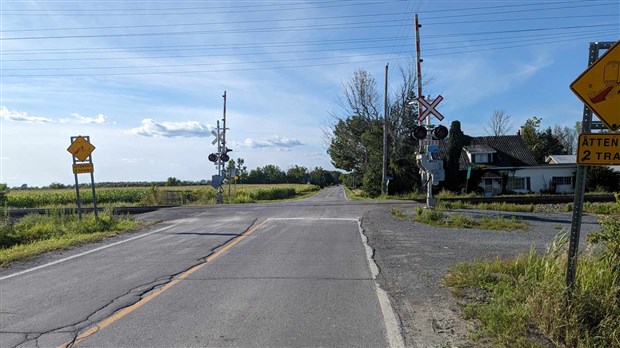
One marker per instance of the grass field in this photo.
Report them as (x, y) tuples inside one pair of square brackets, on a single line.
[(156, 195)]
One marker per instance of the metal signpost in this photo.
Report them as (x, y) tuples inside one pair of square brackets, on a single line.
[(432, 170), (221, 156), (598, 87), (81, 150)]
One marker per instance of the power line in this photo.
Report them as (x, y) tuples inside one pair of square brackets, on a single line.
[(298, 28), (191, 47), (519, 38), (204, 23), (449, 51), (218, 31), (246, 9)]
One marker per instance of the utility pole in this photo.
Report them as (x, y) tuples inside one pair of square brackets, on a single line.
[(224, 122), (430, 201), (384, 188)]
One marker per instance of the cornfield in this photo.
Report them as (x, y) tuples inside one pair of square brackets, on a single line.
[(140, 196)]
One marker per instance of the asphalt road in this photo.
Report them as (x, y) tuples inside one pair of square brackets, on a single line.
[(281, 274)]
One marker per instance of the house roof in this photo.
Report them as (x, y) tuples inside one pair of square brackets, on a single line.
[(479, 149), (510, 151), (561, 159)]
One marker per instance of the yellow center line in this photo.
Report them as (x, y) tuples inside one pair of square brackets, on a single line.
[(125, 311)]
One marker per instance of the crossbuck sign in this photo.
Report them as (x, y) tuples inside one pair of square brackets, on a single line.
[(430, 108)]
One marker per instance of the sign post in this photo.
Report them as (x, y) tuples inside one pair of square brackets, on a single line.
[(588, 87), (81, 150)]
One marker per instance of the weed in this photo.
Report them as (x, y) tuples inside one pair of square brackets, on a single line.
[(398, 213), (36, 233), (528, 294)]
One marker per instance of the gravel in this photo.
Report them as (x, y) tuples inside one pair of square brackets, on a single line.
[(414, 258)]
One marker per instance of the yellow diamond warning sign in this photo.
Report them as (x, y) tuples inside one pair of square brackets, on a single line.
[(599, 87), (81, 148)]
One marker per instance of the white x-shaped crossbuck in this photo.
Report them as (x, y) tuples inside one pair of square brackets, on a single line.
[(430, 108)]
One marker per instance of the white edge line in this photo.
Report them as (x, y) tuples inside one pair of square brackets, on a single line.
[(312, 218), (84, 253), (392, 328)]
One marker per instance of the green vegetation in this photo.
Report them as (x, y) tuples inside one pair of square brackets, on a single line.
[(35, 234), (155, 195), (487, 206), (358, 194), (438, 217), (523, 303)]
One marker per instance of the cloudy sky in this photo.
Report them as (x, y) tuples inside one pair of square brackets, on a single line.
[(145, 79)]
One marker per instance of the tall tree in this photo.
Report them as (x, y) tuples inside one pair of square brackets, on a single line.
[(541, 143), (530, 132), (567, 137), (297, 174), (355, 138), (456, 140), (499, 123)]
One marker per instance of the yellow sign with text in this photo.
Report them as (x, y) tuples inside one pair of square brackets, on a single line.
[(82, 168), (598, 149)]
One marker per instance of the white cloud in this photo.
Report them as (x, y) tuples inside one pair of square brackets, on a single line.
[(275, 141), (12, 115), (151, 128), (99, 119)]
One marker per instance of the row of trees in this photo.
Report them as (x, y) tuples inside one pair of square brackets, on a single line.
[(272, 174)]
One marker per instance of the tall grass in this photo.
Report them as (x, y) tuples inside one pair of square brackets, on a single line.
[(523, 302), (36, 233), (438, 218)]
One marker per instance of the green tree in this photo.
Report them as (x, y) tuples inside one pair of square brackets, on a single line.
[(4, 191), (242, 169), (602, 178), (541, 143), (457, 140), (297, 174), (355, 139), (173, 182), (530, 132)]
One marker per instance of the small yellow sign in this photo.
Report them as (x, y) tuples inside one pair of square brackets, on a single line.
[(81, 168), (599, 87), (81, 148), (598, 149)]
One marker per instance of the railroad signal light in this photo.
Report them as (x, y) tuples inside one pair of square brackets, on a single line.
[(224, 157), (440, 133), (420, 132), (213, 157)]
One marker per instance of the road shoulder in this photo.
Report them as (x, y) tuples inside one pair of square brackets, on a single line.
[(414, 258)]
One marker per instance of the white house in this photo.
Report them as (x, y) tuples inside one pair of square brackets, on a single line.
[(501, 164)]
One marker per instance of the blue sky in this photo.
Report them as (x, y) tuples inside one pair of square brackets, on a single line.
[(144, 79)]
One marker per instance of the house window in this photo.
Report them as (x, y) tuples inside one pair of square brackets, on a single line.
[(562, 180), (482, 158), (515, 183)]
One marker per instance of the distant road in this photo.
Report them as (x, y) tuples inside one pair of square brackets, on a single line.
[(275, 274)]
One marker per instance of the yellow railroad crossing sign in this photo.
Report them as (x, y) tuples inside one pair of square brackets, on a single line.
[(599, 87), (598, 149), (81, 148)]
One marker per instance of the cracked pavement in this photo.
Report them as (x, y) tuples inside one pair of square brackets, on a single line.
[(51, 306), (301, 280)]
